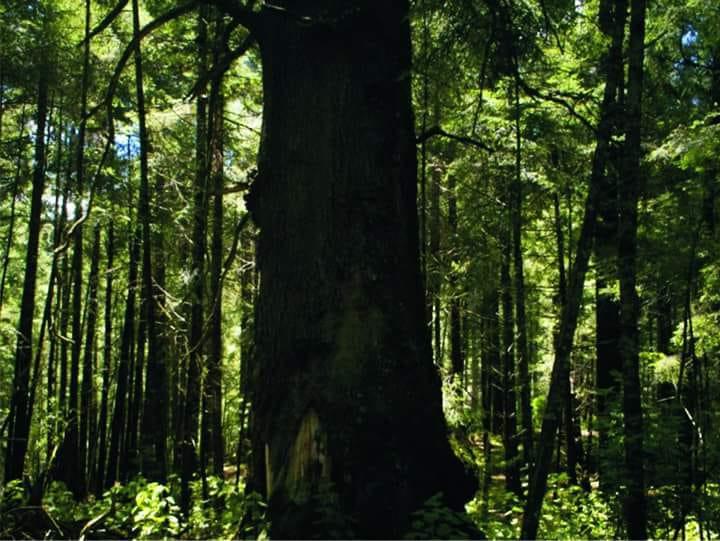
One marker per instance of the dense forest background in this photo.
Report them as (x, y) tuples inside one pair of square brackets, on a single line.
[(252, 252)]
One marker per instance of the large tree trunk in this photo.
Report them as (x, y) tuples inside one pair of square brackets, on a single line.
[(346, 396), (629, 191)]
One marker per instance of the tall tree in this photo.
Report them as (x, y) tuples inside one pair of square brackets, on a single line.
[(523, 352), (107, 362), (343, 361), (87, 396), (20, 407), (118, 451), (191, 416), (69, 459), (571, 309), (153, 425), (216, 110), (635, 507)]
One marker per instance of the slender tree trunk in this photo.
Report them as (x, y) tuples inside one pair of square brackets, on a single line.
[(136, 400), (345, 389), (153, 425), (510, 443), (13, 201), (53, 408), (20, 417), (571, 309), (107, 362), (215, 346), (490, 354), (247, 296), (434, 272), (87, 392), (523, 354), (629, 190), (117, 455), (457, 355), (199, 239), (70, 463)]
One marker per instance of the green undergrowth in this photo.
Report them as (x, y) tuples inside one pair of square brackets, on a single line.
[(136, 510), (148, 510)]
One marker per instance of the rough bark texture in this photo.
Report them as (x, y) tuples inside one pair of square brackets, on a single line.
[(347, 402)]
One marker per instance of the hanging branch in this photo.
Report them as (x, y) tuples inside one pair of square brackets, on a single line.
[(107, 20), (222, 66), (134, 42), (93, 187), (437, 130), (558, 99)]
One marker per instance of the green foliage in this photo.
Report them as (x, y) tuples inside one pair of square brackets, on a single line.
[(227, 512), (569, 512), (142, 510), (434, 520), (12, 495)]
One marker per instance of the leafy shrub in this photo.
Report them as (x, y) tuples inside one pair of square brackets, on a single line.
[(568, 512), (434, 520), (227, 512)]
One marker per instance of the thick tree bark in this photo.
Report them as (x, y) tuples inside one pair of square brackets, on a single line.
[(571, 309), (629, 190), (20, 417), (347, 399)]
